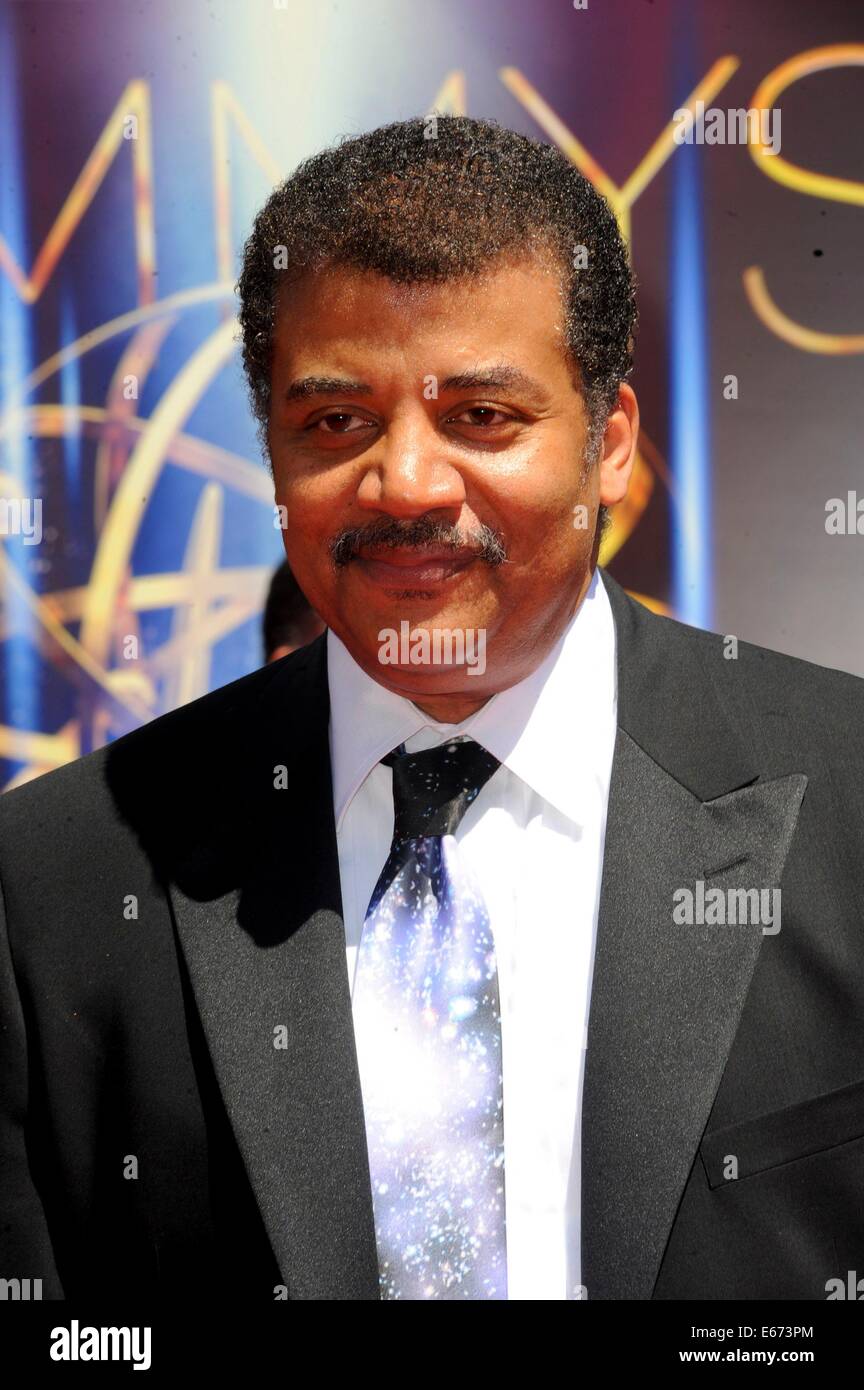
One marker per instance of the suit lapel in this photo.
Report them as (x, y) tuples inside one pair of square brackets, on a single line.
[(684, 805), (262, 936)]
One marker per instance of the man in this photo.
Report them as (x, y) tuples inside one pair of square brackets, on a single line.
[(289, 621), (445, 957)]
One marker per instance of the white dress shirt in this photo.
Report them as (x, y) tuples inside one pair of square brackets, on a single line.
[(534, 841)]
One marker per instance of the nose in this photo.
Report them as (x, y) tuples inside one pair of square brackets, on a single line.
[(408, 471)]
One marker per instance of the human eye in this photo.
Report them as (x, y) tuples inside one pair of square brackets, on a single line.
[(481, 417), (338, 422)]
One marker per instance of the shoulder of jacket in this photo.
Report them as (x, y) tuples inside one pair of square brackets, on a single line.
[(179, 731)]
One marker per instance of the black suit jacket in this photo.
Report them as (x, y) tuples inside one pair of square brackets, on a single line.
[(172, 912)]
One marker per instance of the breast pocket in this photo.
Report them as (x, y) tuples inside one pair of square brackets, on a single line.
[(784, 1136)]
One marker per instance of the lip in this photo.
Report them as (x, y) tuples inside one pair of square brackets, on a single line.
[(426, 568)]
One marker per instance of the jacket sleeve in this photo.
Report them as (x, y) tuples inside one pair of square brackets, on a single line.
[(25, 1242)]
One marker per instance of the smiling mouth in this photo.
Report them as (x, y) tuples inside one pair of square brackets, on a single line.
[(405, 569)]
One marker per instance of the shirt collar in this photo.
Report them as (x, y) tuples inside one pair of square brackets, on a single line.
[(554, 729)]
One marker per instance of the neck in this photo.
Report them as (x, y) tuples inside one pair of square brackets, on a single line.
[(454, 707), (450, 709)]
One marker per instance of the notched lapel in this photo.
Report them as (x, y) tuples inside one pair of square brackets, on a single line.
[(753, 826), (665, 1002), (266, 960), (685, 805)]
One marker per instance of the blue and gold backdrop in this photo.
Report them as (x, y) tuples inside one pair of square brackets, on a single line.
[(137, 141)]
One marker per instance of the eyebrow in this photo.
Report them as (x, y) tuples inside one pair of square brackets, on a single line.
[(501, 375), (326, 386)]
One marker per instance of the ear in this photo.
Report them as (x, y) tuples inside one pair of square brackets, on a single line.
[(619, 447)]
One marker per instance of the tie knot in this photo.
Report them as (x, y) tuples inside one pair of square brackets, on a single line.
[(433, 789)]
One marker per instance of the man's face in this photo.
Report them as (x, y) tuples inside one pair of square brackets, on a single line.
[(434, 411)]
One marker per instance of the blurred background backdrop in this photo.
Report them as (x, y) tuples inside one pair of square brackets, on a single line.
[(137, 141)]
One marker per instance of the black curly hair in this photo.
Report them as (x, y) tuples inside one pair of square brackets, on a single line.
[(433, 199)]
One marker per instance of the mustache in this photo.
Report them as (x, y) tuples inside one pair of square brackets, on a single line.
[(392, 534)]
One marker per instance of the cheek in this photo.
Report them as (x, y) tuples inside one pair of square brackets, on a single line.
[(549, 511), (310, 565), (537, 503), (547, 475), (303, 538), (317, 484), (307, 507)]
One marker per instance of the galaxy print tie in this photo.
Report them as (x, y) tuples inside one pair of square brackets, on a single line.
[(428, 1028)]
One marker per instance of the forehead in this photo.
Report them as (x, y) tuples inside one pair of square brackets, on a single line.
[(514, 308)]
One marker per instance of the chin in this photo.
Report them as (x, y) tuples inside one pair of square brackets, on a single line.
[(415, 685)]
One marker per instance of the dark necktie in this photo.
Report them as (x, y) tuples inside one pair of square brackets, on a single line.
[(428, 1028)]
